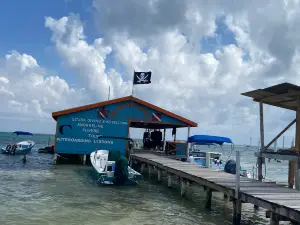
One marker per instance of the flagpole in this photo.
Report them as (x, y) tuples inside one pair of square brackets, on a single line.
[(132, 83)]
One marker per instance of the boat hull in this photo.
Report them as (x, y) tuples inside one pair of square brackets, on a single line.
[(26, 147), (105, 169)]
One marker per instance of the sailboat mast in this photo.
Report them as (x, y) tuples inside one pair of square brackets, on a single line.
[(283, 142)]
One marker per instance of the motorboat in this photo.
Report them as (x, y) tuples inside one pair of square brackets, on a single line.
[(106, 168), (19, 147), (212, 159), (111, 167)]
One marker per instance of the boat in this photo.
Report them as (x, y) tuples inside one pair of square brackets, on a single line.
[(209, 159), (112, 168), (21, 147), (106, 168), (47, 149)]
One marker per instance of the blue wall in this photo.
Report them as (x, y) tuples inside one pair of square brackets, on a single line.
[(78, 132)]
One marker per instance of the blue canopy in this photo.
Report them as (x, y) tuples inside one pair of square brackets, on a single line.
[(22, 133), (208, 140)]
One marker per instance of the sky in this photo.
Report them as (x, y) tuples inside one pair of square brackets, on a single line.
[(202, 53)]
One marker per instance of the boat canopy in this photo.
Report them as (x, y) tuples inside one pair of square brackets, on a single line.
[(22, 133), (208, 140)]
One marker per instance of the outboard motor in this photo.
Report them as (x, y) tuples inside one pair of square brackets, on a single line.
[(230, 166)]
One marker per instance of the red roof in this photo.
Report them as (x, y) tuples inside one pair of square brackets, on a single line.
[(109, 102)]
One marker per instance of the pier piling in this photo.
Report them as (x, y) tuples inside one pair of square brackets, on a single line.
[(238, 189), (208, 198)]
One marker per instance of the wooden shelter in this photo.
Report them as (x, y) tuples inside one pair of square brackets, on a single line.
[(286, 96)]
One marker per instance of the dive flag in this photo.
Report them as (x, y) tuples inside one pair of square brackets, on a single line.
[(142, 77)]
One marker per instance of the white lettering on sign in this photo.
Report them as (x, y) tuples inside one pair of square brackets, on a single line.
[(91, 130), (81, 140), (97, 121), (90, 125), (103, 142)]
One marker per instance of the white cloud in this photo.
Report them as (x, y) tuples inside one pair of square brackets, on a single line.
[(166, 39), (28, 94)]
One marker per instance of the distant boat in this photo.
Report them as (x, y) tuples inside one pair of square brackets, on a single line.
[(106, 169), (250, 142), (19, 147)]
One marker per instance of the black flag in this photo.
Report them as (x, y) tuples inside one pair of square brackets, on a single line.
[(142, 77)]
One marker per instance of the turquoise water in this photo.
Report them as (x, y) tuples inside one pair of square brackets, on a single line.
[(40, 193)]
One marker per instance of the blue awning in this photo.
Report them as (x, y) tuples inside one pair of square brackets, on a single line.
[(22, 133), (208, 140)]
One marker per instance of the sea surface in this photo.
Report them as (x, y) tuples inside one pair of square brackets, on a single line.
[(39, 193)]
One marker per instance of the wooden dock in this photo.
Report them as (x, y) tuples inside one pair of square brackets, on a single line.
[(282, 204)]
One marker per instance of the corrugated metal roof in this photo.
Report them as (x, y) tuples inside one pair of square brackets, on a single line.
[(281, 95)]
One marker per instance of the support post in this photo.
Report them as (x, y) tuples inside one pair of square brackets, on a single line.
[(84, 159), (183, 187), (187, 144), (164, 139), (208, 198), (237, 175), (297, 142), (237, 212), (54, 159), (142, 167), (149, 170), (158, 175), (262, 141), (274, 219), (169, 180)]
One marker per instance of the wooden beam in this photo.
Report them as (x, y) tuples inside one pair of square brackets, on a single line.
[(262, 140), (280, 105), (281, 133), (294, 92), (275, 97), (297, 145)]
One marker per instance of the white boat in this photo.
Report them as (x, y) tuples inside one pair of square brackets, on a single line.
[(19, 147), (212, 159), (106, 168)]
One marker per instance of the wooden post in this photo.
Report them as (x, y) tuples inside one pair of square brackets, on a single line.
[(297, 145), (183, 187), (208, 198), (187, 144), (262, 141), (292, 172), (142, 167), (274, 219), (158, 175), (237, 175), (164, 139), (169, 180), (84, 159), (149, 170), (25, 157), (237, 212), (54, 159)]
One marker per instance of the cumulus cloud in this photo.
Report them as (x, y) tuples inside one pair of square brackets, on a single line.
[(166, 38), (27, 93)]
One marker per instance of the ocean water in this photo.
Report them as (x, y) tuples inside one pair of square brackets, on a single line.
[(40, 193)]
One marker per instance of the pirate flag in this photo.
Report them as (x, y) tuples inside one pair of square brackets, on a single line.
[(142, 77)]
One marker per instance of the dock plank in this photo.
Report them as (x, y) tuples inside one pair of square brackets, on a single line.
[(271, 196)]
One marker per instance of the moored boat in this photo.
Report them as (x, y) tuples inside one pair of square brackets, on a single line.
[(209, 159), (113, 171), (19, 147)]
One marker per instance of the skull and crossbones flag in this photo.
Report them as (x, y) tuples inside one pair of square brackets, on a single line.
[(142, 77)]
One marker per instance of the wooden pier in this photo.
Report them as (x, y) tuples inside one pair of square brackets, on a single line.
[(282, 204)]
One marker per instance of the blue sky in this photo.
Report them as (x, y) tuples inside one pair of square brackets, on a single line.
[(22, 29)]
